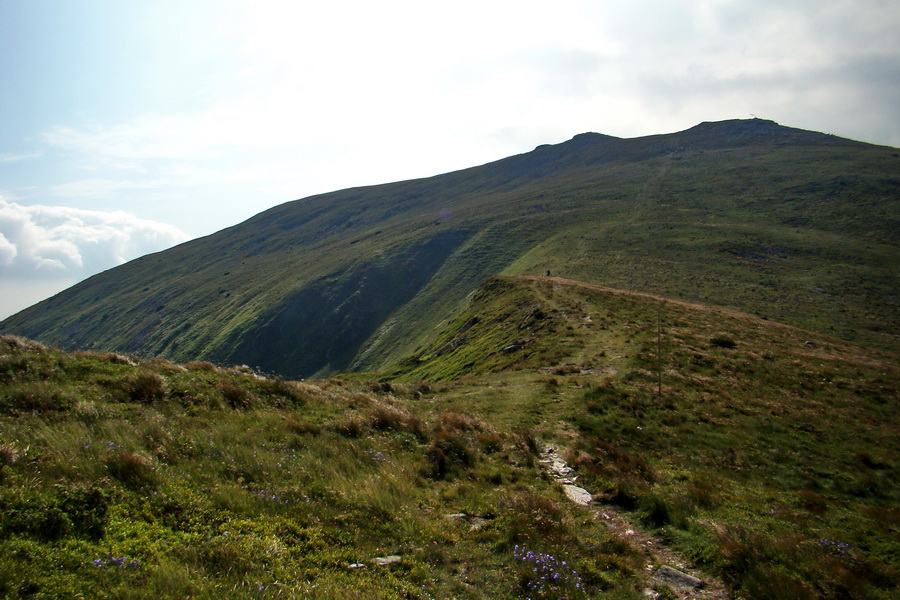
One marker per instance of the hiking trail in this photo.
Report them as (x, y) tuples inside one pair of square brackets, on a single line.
[(663, 565)]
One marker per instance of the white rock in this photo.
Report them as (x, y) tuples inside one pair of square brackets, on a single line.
[(384, 561), (578, 495), (675, 578)]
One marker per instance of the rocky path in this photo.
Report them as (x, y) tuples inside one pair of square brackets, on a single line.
[(664, 565)]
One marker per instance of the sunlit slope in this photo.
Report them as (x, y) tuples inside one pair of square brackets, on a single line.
[(793, 225)]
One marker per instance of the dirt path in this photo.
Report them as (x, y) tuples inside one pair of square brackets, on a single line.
[(622, 292), (655, 552)]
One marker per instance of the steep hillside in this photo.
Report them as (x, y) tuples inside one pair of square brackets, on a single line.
[(749, 453), (792, 225)]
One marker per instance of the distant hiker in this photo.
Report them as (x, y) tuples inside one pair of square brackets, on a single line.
[(548, 272)]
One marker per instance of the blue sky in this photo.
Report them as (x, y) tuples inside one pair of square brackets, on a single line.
[(129, 126)]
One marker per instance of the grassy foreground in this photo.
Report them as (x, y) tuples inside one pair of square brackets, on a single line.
[(765, 454), (131, 479)]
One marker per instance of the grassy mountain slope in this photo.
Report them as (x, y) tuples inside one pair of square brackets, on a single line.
[(793, 225), (768, 457)]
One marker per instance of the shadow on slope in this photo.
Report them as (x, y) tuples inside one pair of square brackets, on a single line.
[(319, 328)]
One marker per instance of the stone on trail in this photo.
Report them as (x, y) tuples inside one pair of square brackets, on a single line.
[(675, 578), (577, 494)]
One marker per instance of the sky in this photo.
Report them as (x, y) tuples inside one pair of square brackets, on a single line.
[(129, 127)]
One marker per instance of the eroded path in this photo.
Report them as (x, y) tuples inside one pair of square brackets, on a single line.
[(663, 564)]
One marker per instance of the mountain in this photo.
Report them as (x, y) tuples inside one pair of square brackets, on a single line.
[(791, 225)]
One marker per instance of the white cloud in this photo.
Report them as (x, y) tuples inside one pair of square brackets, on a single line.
[(55, 242), (315, 97), (8, 251)]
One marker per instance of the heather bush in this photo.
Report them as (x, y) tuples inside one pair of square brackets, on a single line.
[(236, 396), (448, 455), (535, 520), (144, 387), (133, 469)]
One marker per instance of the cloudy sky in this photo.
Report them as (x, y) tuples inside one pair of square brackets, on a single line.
[(127, 127)]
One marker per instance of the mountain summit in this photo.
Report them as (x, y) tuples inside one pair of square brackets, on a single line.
[(793, 225)]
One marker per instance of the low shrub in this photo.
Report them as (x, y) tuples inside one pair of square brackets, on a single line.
[(8, 455), (281, 390), (86, 507), (236, 396), (657, 511), (201, 366), (36, 396), (458, 421), (36, 519), (448, 455), (490, 441), (534, 519), (703, 491), (132, 469), (604, 461), (812, 501), (351, 426), (391, 418), (302, 426), (144, 387), (722, 341)]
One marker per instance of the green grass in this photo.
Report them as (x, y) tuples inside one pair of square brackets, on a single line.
[(154, 484), (770, 455)]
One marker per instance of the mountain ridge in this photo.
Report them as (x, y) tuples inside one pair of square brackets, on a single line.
[(357, 278)]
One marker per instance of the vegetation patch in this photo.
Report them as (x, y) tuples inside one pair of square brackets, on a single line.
[(770, 465)]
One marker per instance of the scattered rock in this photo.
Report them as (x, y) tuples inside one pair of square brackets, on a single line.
[(675, 578), (517, 345), (556, 466), (386, 561), (682, 584), (475, 522), (357, 566), (577, 495)]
